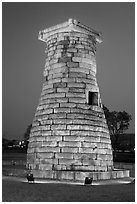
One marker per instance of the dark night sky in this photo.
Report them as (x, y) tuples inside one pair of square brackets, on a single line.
[(23, 56)]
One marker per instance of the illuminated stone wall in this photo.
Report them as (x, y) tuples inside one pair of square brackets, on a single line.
[(69, 130)]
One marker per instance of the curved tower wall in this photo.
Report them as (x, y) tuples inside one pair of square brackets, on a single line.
[(69, 130)]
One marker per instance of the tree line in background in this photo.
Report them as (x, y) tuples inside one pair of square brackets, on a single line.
[(118, 123)]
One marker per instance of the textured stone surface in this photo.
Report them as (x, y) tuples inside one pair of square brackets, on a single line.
[(67, 132)]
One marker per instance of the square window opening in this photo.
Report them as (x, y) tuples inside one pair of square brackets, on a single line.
[(93, 98)]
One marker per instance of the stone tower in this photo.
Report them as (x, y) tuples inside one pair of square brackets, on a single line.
[(69, 136)]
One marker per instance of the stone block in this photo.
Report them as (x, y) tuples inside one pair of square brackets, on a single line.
[(53, 105), (67, 105), (68, 80), (52, 81), (89, 162), (85, 65), (104, 175), (49, 143), (40, 128), (81, 50), (85, 107), (43, 100), (76, 59), (89, 144), (62, 90), (85, 156), (62, 100), (46, 133), (58, 65), (53, 138), (47, 161), (37, 138), (35, 134), (75, 73), (77, 100), (75, 115), (61, 110), (44, 167), (64, 59), (57, 116), (76, 85), (47, 149), (58, 50), (69, 149), (58, 127), (80, 71), (62, 121), (79, 133), (126, 173), (60, 38), (60, 85), (50, 53), (66, 161), (34, 144), (75, 90), (53, 95), (57, 55), (61, 132), (72, 64), (86, 81), (88, 61), (86, 150), (72, 138), (69, 144), (105, 140), (30, 158), (104, 157), (81, 122), (44, 112), (45, 155), (101, 151), (113, 174), (72, 50), (64, 175), (100, 168), (58, 70), (64, 155), (53, 61), (60, 47), (79, 46), (77, 95), (105, 163), (58, 167), (55, 76), (85, 168), (43, 174), (109, 151)]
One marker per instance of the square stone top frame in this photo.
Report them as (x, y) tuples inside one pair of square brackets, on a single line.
[(68, 26)]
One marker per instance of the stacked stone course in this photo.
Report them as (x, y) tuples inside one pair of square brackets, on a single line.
[(69, 134)]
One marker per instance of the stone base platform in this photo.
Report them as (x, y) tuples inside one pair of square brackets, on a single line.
[(79, 176), (72, 176)]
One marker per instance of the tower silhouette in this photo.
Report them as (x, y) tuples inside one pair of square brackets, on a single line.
[(69, 137)]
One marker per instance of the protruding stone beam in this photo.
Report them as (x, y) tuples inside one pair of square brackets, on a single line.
[(68, 26)]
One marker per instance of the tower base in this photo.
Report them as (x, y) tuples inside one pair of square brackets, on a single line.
[(79, 176)]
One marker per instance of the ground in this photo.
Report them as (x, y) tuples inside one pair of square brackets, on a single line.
[(17, 191)]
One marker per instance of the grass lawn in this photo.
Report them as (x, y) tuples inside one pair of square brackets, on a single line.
[(15, 191)]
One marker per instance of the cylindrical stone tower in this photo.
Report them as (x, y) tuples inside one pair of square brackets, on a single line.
[(69, 131)]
